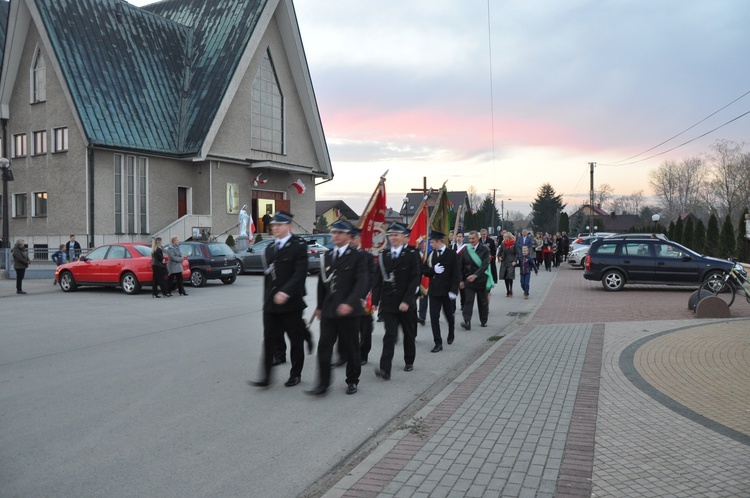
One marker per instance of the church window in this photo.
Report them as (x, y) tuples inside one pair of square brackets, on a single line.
[(267, 109)]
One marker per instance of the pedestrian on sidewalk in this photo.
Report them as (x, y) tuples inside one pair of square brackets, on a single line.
[(394, 292), (508, 256), (20, 263), (526, 264), (174, 265), (60, 258), (159, 269), (474, 263), (342, 287), (441, 267)]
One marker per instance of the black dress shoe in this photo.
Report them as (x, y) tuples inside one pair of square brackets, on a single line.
[(483, 325), (155, 295), (293, 381), (420, 321), (351, 389), (24, 292), (277, 361), (363, 362), (437, 348), (259, 383), (183, 293), (409, 368), (466, 325), (450, 338), (382, 375), (318, 391)]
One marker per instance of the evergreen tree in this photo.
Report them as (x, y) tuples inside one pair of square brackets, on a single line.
[(699, 237), (726, 239), (741, 248), (712, 237), (670, 231), (564, 222), (679, 228), (321, 224), (687, 234), (545, 209)]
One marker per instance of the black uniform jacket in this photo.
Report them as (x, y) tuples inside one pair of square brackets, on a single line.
[(491, 245), (406, 268), (442, 283), (468, 267), (347, 285), (287, 273)]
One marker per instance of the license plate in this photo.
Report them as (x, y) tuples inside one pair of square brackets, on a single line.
[(226, 272)]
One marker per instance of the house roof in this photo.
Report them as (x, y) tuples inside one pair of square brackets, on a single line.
[(169, 65), (323, 206), (415, 199)]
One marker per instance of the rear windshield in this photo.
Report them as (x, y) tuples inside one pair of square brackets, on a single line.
[(143, 250), (220, 250)]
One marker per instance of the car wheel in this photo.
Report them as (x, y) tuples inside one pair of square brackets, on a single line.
[(240, 268), (613, 280), (67, 282), (229, 280), (130, 284), (197, 278)]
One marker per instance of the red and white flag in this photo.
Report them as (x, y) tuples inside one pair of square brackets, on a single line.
[(372, 221), (299, 186), (419, 227), (258, 181)]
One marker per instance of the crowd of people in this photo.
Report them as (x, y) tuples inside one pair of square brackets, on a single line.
[(354, 286)]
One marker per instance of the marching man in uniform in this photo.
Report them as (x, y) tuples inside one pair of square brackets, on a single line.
[(396, 282), (342, 286), (285, 263), (445, 276)]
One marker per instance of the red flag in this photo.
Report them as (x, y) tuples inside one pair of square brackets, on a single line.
[(299, 186), (418, 237), (372, 221)]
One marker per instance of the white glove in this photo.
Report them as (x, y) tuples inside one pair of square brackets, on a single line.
[(438, 268), (451, 296)]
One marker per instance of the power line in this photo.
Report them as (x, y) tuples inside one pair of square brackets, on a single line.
[(684, 143), (617, 163)]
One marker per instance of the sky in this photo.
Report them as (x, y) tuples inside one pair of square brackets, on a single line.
[(512, 94)]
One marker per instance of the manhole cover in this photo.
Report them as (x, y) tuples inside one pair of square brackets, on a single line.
[(518, 313)]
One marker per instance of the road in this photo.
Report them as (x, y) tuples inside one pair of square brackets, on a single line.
[(105, 394)]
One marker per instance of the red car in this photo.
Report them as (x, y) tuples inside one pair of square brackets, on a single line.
[(125, 264)]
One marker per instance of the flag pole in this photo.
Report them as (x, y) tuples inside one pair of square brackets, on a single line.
[(360, 223)]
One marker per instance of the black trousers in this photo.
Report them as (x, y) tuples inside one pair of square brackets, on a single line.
[(176, 277), (482, 303), (274, 326), (346, 331), (392, 321), (448, 307), (20, 273), (160, 282), (366, 327)]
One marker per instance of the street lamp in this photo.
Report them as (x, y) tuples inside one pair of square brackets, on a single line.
[(655, 218), (7, 177)]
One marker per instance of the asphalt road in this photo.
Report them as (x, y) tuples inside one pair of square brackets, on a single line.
[(103, 394)]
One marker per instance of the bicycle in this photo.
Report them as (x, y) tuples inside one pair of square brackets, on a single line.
[(726, 286)]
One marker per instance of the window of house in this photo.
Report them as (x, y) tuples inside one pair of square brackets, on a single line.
[(60, 139), (39, 204), (267, 109), (39, 78), (131, 194), (19, 205), (40, 142), (19, 145)]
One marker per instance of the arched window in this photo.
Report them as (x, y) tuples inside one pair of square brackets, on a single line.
[(39, 78), (267, 119)]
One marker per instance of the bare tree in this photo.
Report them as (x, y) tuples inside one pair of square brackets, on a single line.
[(627, 204), (677, 185), (475, 201), (728, 176), (603, 194)]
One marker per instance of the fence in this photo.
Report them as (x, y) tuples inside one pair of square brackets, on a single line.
[(41, 265)]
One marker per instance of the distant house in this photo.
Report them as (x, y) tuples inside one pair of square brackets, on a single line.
[(392, 216), (604, 221), (414, 199), (334, 210), (123, 123)]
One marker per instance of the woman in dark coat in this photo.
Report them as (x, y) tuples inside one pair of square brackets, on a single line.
[(159, 268), (507, 253), (20, 263)]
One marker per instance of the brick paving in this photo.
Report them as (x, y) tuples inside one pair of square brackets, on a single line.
[(549, 410)]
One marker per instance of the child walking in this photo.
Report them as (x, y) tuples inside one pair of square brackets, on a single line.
[(526, 264)]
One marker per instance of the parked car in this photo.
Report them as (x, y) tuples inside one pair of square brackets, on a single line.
[(619, 261), (251, 259), (639, 236), (324, 239), (210, 260), (126, 265)]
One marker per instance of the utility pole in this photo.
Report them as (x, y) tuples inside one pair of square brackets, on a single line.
[(591, 201)]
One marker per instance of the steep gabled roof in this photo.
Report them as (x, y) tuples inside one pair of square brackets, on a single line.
[(322, 207), (4, 10), (169, 64)]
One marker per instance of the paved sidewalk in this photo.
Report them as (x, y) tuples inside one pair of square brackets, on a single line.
[(577, 407)]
